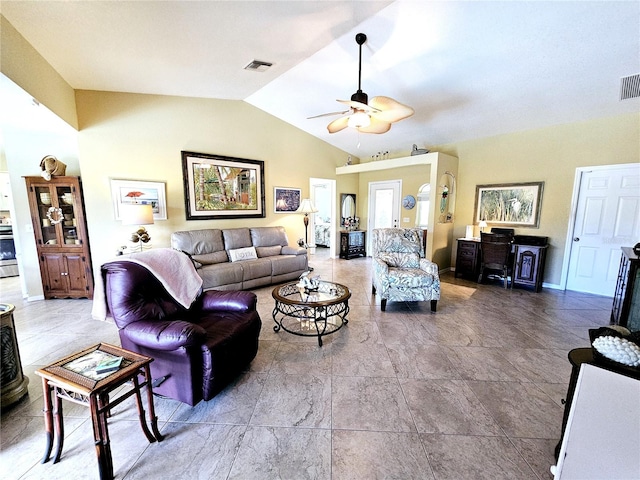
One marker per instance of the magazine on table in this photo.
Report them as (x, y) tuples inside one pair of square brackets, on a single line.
[(95, 365)]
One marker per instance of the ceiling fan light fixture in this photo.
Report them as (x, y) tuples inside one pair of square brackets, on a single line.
[(359, 120)]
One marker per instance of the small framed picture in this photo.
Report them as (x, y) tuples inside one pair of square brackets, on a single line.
[(125, 192), (286, 200)]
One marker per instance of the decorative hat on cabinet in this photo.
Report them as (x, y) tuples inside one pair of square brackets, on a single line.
[(51, 167)]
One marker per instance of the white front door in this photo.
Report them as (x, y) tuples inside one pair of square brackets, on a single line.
[(384, 206), (607, 218)]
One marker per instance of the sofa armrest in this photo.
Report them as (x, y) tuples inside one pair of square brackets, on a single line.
[(289, 250), (428, 266), (164, 334), (228, 301)]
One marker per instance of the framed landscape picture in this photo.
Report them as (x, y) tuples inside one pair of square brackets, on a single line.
[(125, 192), (286, 200), (509, 204), (217, 187)]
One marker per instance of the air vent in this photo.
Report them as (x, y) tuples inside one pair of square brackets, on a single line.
[(630, 87), (258, 66)]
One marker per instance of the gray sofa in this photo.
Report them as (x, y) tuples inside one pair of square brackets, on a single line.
[(241, 258)]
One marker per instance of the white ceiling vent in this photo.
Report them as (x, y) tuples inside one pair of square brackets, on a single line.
[(258, 66), (630, 87)]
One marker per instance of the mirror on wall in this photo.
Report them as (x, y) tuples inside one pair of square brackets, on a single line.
[(447, 197), (348, 218)]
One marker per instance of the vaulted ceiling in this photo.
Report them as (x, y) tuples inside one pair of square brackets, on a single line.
[(469, 69)]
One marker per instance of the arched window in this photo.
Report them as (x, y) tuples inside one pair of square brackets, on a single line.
[(422, 212)]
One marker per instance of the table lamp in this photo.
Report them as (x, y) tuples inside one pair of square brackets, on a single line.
[(137, 214), (482, 224)]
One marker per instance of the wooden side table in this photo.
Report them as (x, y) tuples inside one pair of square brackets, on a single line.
[(74, 379)]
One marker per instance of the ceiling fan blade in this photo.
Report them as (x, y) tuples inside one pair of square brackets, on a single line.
[(338, 124), (328, 114), (359, 105), (390, 110), (376, 126)]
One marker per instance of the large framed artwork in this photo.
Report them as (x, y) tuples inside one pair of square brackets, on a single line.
[(217, 187), (125, 192), (509, 204), (286, 200)]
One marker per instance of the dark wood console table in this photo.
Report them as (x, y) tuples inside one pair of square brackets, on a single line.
[(352, 244), (528, 252)]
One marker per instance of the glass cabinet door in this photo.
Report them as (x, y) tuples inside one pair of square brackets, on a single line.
[(68, 207), (48, 214), (57, 215)]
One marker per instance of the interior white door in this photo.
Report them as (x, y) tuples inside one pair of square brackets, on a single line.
[(607, 218), (384, 206)]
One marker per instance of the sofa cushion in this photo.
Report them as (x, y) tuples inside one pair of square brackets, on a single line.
[(236, 238), (198, 242), (259, 268), (221, 274), (240, 254), (288, 263), (269, 251), (211, 258), (269, 236)]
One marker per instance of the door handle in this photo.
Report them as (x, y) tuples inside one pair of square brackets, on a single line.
[(576, 239)]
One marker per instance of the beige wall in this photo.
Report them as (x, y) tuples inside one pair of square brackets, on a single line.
[(140, 137), (20, 62), (550, 155), (412, 178)]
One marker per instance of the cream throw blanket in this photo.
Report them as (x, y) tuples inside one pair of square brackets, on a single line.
[(172, 268)]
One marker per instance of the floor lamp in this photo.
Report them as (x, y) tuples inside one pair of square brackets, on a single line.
[(306, 207)]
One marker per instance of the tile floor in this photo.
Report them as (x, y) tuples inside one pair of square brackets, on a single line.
[(473, 391)]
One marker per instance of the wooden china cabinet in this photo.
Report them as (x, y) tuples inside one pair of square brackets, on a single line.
[(57, 213)]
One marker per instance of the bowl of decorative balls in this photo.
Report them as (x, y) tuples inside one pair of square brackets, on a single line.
[(615, 345)]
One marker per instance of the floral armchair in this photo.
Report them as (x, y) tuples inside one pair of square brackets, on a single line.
[(400, 271)]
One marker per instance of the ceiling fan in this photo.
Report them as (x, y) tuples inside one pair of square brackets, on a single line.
[(368, 116)]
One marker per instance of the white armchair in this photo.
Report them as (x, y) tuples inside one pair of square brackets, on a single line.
[(400, 271)]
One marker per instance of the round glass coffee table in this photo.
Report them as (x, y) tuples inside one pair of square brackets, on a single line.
[(311, 313)]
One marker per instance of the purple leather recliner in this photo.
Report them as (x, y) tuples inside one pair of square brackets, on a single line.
[(197, 351)]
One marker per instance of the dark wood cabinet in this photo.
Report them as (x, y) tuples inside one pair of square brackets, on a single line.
[(57, 214), (527, 259), (626, 300), (528, 266), (352, 244), (468, 259)]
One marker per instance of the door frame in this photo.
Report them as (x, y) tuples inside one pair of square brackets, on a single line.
[(369, 227), (569, 243), (331, 185)]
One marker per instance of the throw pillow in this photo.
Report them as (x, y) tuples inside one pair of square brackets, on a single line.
[(239, 254), (404, 260)]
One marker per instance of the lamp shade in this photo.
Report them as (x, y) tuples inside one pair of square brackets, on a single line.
[(136, 214), (306, 207), (482, 224)]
